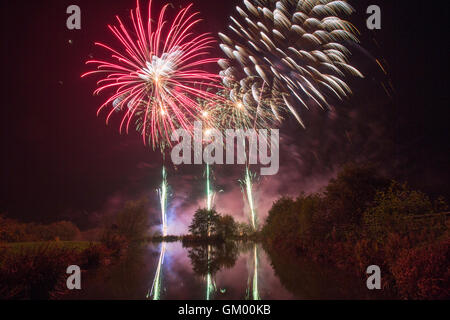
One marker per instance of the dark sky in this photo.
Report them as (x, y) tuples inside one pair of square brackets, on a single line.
[(61, 161)]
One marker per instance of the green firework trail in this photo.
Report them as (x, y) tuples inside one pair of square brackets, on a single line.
[(155, 292), (247, 190), (209, 191), (163, 195), (253, 287), (210, 285)]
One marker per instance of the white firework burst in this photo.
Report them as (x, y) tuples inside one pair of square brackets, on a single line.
[(287, 53)]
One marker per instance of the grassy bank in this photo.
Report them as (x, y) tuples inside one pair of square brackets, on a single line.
[(37, 270), (76, 245)]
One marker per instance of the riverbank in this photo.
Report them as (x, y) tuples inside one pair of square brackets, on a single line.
[(359, 221), (191, 239), (37, 270)]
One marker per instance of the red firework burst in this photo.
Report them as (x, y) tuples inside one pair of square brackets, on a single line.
[(157, 75)]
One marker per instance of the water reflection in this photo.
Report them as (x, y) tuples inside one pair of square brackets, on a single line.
[(155, 292), (207, 260), (253, 281), (231, 270)]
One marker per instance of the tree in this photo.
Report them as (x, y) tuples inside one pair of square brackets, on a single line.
[(244, 229), (204, 223), (132, 221), (227, 227), (209, 259), (394, 210), (351, 193), (289, 221), (63, 230)]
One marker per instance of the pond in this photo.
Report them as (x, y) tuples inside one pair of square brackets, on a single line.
[(233, 270)]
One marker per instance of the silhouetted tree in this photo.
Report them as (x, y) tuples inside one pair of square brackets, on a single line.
[(211, 258), (244, 229), (204, 223), (352, 192), (132, 222), (226, 227), (398, 209)]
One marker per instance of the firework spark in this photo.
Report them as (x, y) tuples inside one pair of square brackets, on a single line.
[(288, 52), (247, 190), (155, 291), (163, 196), (252, 292), (209, 191), (210, 285), (255, 287), (225, 114), (157, 75)]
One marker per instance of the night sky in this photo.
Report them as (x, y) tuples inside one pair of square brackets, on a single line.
[(60, 161)]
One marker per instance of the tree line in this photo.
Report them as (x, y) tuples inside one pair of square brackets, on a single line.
[(362, 218)]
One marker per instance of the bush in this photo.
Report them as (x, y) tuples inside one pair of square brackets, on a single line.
[(289, 222), (33, 272), (423, 273), (93, 255), (114, 241), (395, 211), (360, 220), (14, 231), (352, 192), (132, 222)]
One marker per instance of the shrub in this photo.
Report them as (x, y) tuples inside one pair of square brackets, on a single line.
[(93, 255), (33, 272), (352, 192), (423, 273), (132, 222), (114, 241), (394, 211)]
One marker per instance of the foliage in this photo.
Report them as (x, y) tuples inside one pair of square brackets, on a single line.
[(226, 227), (423, 272), (93, 255), (132, 222), (114, 241), (395, 210), (14, 231), (205, 223), (33, 272), (351, 193), (244, 229), (291, 218), (212, 258), (37, 270), (359, 220)]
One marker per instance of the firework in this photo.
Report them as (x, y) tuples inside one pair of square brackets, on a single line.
[(255, 291), (155, 292), (247, 190), (209, 192), (255, 288), (288, 52), (225, 113), (210, 285), (163, 196), (156, 75)]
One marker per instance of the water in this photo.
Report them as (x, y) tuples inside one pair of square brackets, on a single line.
[(230, 271)]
